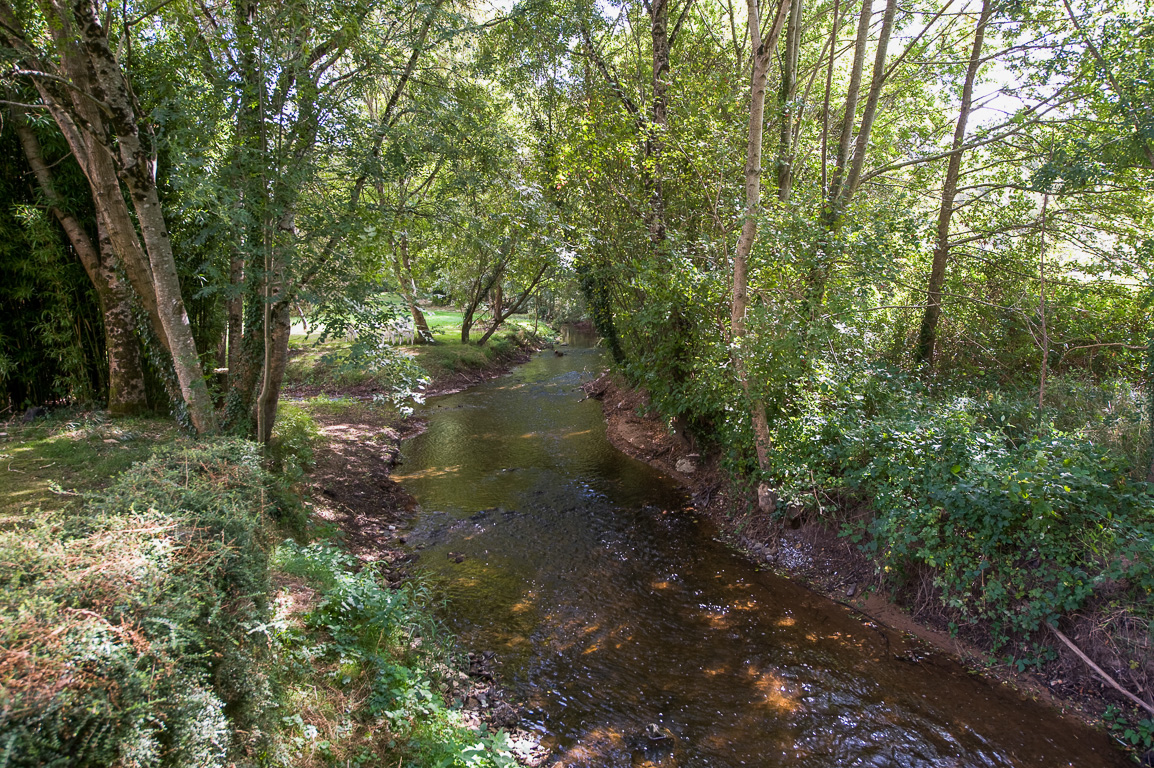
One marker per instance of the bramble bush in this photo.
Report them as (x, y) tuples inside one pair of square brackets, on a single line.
[(1018, 523)]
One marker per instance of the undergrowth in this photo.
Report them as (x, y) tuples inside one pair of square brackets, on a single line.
[(122, 625), (1020, 522), (137, 629), (365, 671)]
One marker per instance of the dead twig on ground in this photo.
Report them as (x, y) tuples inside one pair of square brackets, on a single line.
[(1101, 673)]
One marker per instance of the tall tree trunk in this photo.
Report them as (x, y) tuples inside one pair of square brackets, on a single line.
[(831, 209), (788, 94), (762, 55), (137, 170), (1150, 404), (832, 44), (877, 82), (235, 316), (98, 115), (279, 323), (126, 395), (403, 271), (849, 113), (246, 313), (659, 120), (847, 170), (126, 390), (928, 333)]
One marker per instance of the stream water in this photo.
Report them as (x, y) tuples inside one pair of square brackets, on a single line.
[(612, 610)]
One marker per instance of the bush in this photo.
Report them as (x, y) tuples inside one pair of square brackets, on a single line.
[(1018, 526), (375, 656), (124, 626), (294, 437)]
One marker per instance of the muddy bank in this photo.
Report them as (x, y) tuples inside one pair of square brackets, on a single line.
[(812, 554), (351, 487)]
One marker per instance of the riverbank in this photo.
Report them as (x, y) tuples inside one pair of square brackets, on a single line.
[(811, 553), (176, 601), (350, 491)]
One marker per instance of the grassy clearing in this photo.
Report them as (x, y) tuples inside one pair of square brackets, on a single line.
[(395, 372), (452, 357), (45, 464)]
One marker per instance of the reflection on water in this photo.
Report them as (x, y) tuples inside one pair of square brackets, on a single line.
[(612, 610)]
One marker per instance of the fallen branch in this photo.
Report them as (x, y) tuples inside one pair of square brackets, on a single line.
[(1113, 683)]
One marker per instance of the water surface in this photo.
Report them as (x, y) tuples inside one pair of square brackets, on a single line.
[(611, 608)]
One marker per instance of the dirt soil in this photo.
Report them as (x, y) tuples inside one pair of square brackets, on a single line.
[(815, 556), (350, 486)]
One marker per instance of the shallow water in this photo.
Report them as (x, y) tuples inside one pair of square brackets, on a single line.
[(610, 608)]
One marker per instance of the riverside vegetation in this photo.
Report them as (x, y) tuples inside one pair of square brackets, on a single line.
[(890, 262), (189, 613)]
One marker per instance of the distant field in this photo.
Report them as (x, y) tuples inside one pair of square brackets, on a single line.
[(444, 322)]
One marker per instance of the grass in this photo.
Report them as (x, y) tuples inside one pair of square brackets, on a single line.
[(338, 366), (45, 465)]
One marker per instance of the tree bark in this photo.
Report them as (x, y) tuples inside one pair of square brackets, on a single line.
[(928, 333), (137, 170), (249, 163), (877, 82), (762, 55), (659, 120), (235, 316), (276, 360), (126, 395), (788, 94), (849, 113), (403, 270), (483, 285), (847, 171), (99, 116)]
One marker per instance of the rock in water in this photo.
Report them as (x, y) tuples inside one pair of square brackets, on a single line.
[(766, 499)]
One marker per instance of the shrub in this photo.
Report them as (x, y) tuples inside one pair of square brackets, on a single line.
[(124, 626), (294, 438), (1017, 525)]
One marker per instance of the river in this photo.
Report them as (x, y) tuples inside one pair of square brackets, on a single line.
[(635, 638)]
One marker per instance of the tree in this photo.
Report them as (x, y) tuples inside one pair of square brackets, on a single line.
[(928, 332), (126, 395), (87, 93), (762, 56)]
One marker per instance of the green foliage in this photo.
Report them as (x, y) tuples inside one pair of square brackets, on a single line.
[(1017, 526), (359, 636), (51, 336), (1139, 735), (293, 440), (125, 627)]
